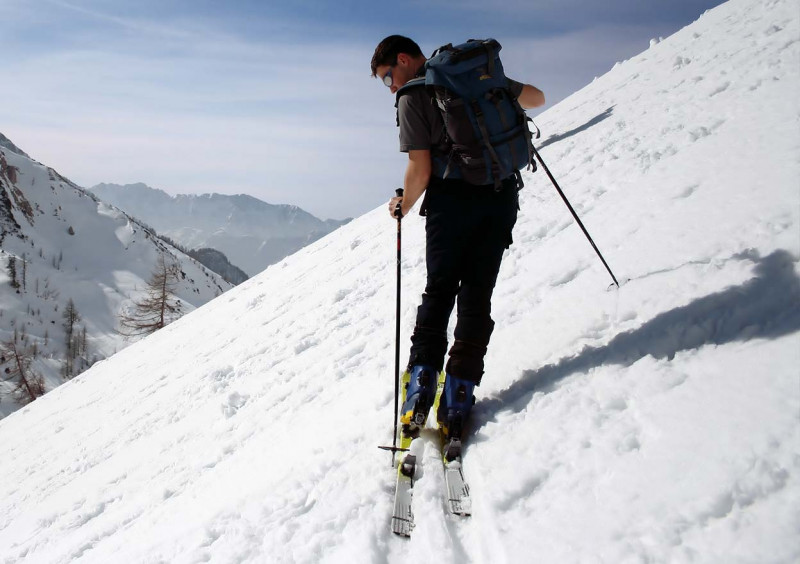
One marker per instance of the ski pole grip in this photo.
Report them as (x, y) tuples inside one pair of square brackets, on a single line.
[(398, 212)]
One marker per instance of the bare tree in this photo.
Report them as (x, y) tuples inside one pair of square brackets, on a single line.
[(24, 272), (159, 307), (12, 271), (29, 384), (71, 317)]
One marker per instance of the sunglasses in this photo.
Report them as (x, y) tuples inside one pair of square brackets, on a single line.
[(387, 78)]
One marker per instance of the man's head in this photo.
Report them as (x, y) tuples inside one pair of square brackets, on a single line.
[(399, 57)]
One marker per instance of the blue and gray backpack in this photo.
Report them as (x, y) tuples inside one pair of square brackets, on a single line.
[(487, 129)]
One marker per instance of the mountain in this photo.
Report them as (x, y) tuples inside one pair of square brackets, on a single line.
[(657, 422), (218, 262), (251, 233), (59, 243), (6, 143)]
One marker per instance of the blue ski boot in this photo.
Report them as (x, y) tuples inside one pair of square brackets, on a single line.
[(419, 396), (454, 406)]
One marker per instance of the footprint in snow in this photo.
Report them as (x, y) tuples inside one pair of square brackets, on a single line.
[(699, 133), (234, 403), (569, 276), (304, 345), (721, 88), (680, 62), (341, 294), (629, 443), (220, 379), (616, 404), (688, 191)]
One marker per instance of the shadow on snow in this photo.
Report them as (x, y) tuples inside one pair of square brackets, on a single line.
[(592, 122), (766, 306)]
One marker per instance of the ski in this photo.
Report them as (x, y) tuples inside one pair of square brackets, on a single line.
[(457, 490), (456, 487), (403, 515)]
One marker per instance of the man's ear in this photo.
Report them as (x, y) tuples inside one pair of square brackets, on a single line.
[(402, 59)]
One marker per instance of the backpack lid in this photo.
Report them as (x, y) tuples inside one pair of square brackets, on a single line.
[(463, 57)]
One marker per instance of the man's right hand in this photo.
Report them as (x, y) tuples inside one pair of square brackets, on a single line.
[(393, 203)]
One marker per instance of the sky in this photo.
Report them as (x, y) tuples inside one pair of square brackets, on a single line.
[(272, 99)]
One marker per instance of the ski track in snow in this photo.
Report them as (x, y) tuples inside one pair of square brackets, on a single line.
[(654, 423)]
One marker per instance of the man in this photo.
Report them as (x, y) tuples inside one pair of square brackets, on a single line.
[(467, 229)]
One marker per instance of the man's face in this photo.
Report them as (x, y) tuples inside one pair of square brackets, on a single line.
[(400, 72)]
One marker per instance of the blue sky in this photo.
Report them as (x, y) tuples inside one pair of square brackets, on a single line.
[(272, 99)]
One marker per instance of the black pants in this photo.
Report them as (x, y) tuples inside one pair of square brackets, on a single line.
[(467, 229)]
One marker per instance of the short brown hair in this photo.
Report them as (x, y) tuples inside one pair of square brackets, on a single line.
[(387, 50)]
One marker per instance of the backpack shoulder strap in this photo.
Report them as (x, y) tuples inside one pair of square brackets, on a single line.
[(403, 90), (414, 82)]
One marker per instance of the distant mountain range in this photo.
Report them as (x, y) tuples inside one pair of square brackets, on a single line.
[(250, 232)]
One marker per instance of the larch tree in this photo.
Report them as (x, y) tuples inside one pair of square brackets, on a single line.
[(28, 384), (160, 306)]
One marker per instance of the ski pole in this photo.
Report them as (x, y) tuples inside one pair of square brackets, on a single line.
[(575, 215), (398, 213), (394, 449)]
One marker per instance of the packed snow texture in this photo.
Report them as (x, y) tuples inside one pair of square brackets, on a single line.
[(654, 423)]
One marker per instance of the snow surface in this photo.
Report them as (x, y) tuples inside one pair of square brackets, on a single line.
[(654, 423)]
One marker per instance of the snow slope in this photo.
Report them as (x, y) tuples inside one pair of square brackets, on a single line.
[(655, 423)]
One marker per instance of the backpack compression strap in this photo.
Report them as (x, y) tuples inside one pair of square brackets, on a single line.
[(487, 143)]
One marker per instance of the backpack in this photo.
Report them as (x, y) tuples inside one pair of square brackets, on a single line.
[(487, 130)]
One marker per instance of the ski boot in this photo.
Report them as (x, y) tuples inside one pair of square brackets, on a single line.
[(419, 396), (454, 407)]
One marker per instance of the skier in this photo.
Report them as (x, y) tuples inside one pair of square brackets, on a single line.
[(467, 229)]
